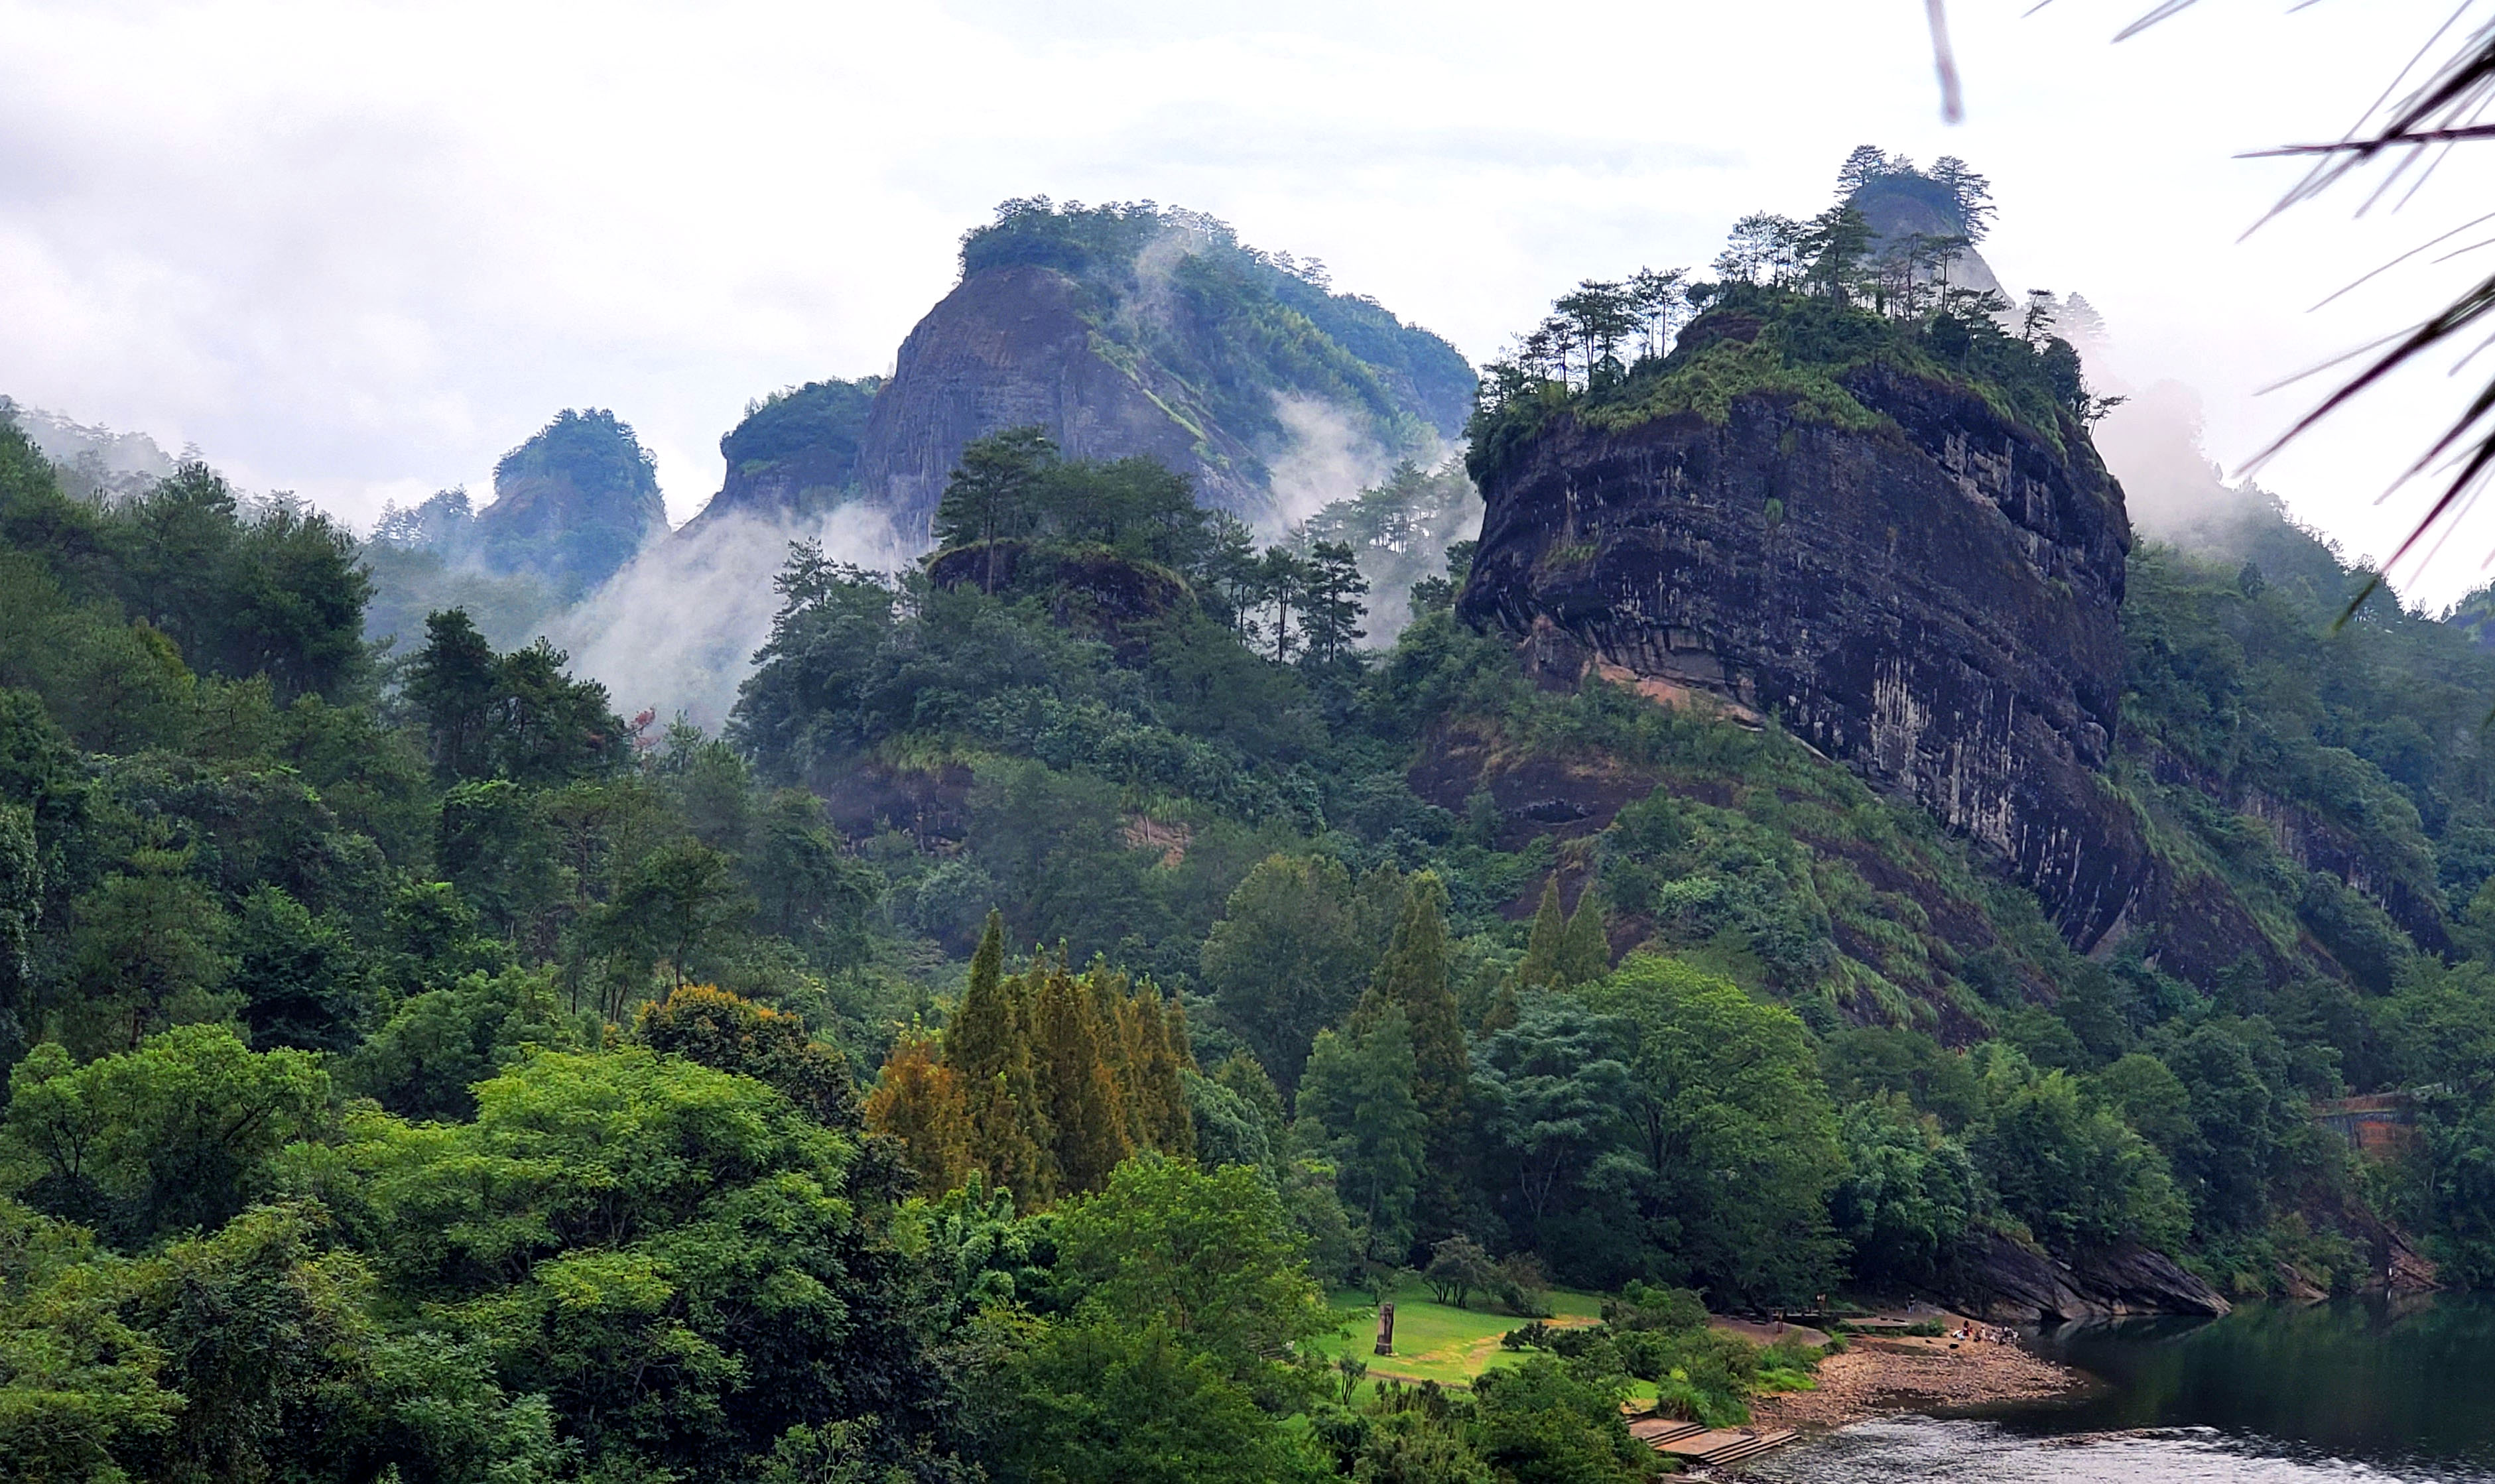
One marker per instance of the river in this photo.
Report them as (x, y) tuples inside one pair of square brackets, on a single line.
[(2271, 1394)]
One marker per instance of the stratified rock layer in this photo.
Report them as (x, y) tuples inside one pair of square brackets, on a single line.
[(1010, 348), (1933, 600), (1996, 1278)]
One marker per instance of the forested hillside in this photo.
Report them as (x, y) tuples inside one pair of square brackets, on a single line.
[(1079, 956)]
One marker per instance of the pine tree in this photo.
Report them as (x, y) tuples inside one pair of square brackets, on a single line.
[(1864, 164), (1330, 605), (918, 1101), (1585, 949), (988, 497), (1540, 969), (1969, 192)]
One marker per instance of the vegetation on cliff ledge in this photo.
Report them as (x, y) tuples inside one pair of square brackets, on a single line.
[(1798, 310)]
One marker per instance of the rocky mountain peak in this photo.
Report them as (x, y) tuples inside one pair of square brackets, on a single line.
[(574, 503), (1121, 329)]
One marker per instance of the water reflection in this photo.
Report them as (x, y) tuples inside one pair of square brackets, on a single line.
[(2387, 1383), (1968, 1451), (2269, 1393)]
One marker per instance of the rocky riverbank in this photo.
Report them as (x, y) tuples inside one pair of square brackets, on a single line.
[(1877, 1378)]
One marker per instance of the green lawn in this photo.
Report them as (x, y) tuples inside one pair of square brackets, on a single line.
[(1434, 1342)]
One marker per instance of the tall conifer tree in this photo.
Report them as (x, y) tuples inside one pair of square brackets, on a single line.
[(918, 1101), (988, 1047), (1585, 949), (1540, 969), (1078, 1088), (1170, 1126), (1506, 1009), (1414, 975)]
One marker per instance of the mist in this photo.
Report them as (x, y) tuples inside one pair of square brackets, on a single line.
[(94, 461), (676, 628), (2156, 444), (1329, 458), (2174, 492)]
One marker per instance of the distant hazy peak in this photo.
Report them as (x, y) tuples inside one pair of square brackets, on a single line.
[(94, 460), (1898, 204), (1132, 329), (573, 503)]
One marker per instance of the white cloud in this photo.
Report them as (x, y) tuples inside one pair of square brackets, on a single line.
[(361, 249)]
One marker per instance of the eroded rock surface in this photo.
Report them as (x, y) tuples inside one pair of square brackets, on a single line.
[(2000, 1281), (1010, 348), (1933, 600)]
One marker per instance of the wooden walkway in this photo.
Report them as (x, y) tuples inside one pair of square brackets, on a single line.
[(1700, 1443)]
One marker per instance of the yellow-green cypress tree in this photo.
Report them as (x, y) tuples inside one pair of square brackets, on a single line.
[(988, 1047), (918, 1101), (1078, 1090), (1162, 1089)]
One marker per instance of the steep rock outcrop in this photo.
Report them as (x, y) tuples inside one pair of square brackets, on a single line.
[(1932, 599), (573, 503), (1142, 330), (1996, 1278), (795, 454), (1012, 347), (1901, 206)]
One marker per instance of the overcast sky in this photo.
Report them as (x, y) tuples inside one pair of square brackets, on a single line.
[(359, 249)]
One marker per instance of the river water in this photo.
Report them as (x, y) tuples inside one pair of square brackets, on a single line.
[(2271, 1394)]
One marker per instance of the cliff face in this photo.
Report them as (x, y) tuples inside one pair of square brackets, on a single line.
[(1932, 599), (1012, 347), (795, 454), (1141, 331)]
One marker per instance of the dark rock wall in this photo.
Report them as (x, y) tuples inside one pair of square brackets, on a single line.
[(547, 523), (1010, 347), (1934, 603), (1995, 1279), (794, 457)]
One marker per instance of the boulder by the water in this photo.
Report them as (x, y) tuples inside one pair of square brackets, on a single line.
[(1998, 1279)]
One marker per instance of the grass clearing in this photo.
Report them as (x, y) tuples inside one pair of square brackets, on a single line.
[(1436, 1341)]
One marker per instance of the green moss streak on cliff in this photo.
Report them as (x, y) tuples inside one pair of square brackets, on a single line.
[(1709, 382), (1806, 353)]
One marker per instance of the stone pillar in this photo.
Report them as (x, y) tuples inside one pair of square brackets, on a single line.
[(1385, 1329)]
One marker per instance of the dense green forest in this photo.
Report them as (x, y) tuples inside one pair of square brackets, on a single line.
[(1079, 955)]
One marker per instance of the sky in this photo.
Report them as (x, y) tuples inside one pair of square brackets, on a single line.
[(358, 250)]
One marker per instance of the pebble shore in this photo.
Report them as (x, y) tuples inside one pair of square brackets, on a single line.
[(1880, 1377)]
